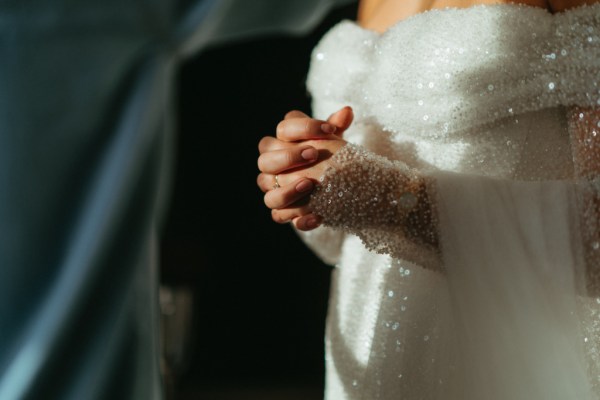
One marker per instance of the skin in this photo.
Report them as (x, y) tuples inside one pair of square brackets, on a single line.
[(298, 134), (378, 15)]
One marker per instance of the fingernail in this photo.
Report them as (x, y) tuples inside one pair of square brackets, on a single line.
[(309, 154), (304, 186), (328, 128), (311, 222)]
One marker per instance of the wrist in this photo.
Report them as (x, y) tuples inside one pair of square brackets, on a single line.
[(364, 189)]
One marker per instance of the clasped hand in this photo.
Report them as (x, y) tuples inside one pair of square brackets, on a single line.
[(292, 162)]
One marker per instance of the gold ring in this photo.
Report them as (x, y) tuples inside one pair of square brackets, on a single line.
[(276, 185)]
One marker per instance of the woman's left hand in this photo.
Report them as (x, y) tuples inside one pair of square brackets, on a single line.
[(292, 163)]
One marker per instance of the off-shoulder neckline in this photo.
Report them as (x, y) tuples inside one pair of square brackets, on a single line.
[(466, 10)]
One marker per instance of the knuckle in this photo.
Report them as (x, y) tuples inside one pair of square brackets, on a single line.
[(268, 199), (266, 184), (275, 198), (290, 114), (307, 125), (263, 143), (260, 180), (280, 129), (290, 157), (277, 216), (260, 163)]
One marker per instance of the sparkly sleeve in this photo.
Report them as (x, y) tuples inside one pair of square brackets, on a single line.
[(584, 130), (384, 202)]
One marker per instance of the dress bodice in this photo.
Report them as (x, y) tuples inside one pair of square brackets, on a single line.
[(465, 87)]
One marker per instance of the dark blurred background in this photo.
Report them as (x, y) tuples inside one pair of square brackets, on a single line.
[(243, 300)]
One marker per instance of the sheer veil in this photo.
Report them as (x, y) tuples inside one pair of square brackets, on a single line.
[(514, 263), (215, 22), (521, 256)]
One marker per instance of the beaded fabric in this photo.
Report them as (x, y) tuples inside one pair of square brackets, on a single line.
[(371, 196), (465, 238)]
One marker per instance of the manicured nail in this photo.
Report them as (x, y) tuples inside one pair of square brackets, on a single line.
[(311, 222), (309, 154), (304, 186), (328, 128)]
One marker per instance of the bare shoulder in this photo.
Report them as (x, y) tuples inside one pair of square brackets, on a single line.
[(366, 9), (562, 5), (378, 15)]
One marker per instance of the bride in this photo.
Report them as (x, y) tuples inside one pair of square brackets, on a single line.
[(450, 173)]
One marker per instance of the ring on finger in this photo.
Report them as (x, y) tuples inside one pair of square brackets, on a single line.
[(276, 185)]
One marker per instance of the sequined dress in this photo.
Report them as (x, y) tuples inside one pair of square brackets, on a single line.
[(490, 293)]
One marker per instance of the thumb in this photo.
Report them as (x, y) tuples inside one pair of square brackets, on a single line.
[(342, 119)]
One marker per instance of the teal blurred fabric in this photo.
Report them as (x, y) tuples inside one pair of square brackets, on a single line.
[(86, 130)]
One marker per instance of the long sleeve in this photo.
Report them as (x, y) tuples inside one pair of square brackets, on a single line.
[(584, 126), (385, 203)]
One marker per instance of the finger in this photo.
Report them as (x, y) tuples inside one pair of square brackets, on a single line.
[(288, 194), (265, 182), (293, 129), (289, 214), (274, 162), (269, 143), (342, 119), (307, 221), (295, 114)]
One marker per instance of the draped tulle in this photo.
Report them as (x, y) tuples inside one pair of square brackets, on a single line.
[(514, 264)]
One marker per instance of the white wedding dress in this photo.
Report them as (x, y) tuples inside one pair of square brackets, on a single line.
[(499, 304)]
